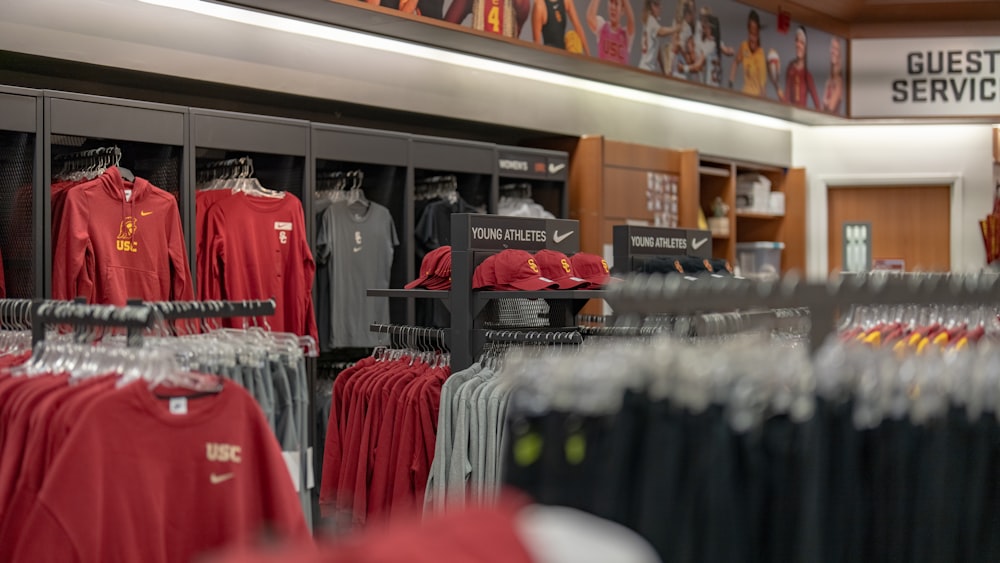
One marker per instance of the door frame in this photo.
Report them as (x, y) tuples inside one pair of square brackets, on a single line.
[(818, 262)]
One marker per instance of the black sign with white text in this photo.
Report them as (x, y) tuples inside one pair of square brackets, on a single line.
[(494, 232), (527, 165), (656, 241)]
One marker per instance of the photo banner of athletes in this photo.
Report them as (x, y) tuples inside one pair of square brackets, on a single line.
[(720, 43)]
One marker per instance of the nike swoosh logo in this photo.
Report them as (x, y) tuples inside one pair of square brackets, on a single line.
[(216, 479), (357, 249), (145, 213), (696, 244), (555, 168), (557, 238)]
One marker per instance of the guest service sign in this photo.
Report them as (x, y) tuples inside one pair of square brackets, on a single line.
[(925, 77)]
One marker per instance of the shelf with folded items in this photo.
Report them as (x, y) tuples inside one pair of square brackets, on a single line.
[(563, 305)]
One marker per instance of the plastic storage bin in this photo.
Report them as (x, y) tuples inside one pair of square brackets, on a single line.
[(759, 260)]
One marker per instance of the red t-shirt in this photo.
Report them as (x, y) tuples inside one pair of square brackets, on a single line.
[(256, 248), (134, 482), (110, 249)]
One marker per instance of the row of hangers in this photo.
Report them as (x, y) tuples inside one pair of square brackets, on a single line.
[(343, 187), (437, 187), (235, 175), (427, 345), (89, 164), (95, 345)]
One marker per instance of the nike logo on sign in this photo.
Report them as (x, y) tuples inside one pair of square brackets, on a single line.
[(216, 479), (555, 168), (145, 213), (557, 238), (357, 249), (696, 244)]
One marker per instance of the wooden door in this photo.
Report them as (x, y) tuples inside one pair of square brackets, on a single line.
[(908, 222)]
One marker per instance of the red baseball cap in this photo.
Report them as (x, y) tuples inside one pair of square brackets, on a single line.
[(429, 267), (556, 266), (592, 268), (442, 272), (484, 277), (517, 270)]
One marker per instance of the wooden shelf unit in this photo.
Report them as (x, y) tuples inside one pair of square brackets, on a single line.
[(717, 178)]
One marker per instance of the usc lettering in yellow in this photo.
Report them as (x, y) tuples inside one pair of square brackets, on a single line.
[(223, 452), (127, 245)]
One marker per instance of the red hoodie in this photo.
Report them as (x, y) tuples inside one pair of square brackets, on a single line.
[(112, 248)]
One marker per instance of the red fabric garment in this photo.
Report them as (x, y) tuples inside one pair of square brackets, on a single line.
[(333, 449), (110, 250), (256, 248), (380, 486), (203, 201), (475, 535), (134, 482), (35, 461), (19, 406)]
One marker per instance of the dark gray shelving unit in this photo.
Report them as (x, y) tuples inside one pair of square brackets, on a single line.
[(545, 171), (153, 139), (22, 212)]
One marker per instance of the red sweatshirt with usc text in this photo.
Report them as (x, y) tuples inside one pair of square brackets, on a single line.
[(120, 241)]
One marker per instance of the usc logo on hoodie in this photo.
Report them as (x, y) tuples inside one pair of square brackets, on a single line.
[(125, 233)]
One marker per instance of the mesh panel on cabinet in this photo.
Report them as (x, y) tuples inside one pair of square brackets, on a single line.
[(17, 244)]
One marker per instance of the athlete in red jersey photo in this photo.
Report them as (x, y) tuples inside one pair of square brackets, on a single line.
[(798, 80), (613, 40), (502, 17)]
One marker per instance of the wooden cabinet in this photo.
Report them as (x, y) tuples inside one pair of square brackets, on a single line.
[(717, 178), (609, 183)]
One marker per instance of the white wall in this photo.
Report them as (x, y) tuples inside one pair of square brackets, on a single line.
[(892, 153)]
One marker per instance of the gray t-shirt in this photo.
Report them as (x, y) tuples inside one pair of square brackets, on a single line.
[(358, 246)]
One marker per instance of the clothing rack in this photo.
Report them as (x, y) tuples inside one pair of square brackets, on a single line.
[(642, 295), (533, 336), (101, 157), (176, 310), (516, 190), (16, 313), (412, 334), (241, 167), (133, 318)]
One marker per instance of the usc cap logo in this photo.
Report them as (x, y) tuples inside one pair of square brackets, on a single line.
[(565, 266), (604, 263), (532, 265)]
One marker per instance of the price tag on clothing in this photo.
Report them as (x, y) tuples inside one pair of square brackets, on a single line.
[(179, 406), (293, 460), (310, 474)]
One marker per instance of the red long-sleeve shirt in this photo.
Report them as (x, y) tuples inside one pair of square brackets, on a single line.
[(112, 248), (256, 248)]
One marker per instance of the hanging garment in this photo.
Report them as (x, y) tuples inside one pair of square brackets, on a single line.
[(120, 241), (356, 244), (94, 456), (255, 248), (380, 439)]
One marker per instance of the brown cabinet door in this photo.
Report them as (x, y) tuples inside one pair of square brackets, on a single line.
[(912, 223)]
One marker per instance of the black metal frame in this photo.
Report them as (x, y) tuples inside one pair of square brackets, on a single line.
[(656, 294)]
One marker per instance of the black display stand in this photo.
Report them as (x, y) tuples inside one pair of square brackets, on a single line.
[(634, 245), (470, 248), (21, 210)]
